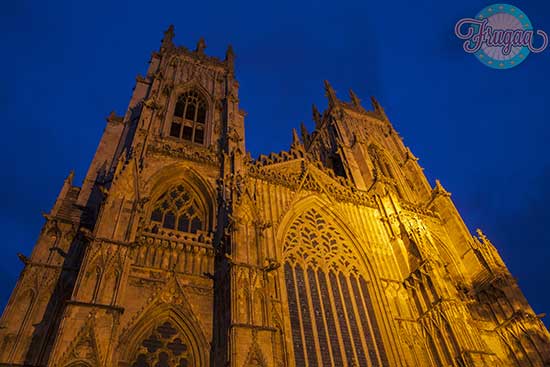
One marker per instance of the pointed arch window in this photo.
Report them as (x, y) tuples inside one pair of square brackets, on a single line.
[(189, 120), (178, 210), (332, 317), (164, 347)]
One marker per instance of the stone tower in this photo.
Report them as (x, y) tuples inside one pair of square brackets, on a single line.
[(179, 249)]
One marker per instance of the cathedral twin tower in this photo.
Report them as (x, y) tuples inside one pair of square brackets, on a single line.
[(179, 249)]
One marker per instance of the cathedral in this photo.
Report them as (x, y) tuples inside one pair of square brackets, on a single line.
[(181, 250)]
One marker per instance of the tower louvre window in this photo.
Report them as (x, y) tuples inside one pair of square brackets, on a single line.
[(189, 118), (176, 209)]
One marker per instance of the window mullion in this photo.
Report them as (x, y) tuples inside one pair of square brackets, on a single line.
[(299, 340), (337, 322), (185, 108), (354, 308), (314, 326), (372, 350), (347, 323), (364, 289), (305, 316), (324, 312)]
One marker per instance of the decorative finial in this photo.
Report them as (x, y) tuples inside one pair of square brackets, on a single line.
[(168, 38), (70, 177), (201, 45), (331, 95), (410, 155), (375, 103), (230, 57), (316, 115), (113, 118), (440, 190), (483, 238), (295, 138), (23, 258), (480, 234), (378, 108), (229, 53), (303, 131), (356, 102)]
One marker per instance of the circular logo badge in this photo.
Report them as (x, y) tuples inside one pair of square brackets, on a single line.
[(501, 36), (506, 21)]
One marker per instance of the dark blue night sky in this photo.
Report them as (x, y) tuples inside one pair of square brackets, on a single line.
[(483, 132)]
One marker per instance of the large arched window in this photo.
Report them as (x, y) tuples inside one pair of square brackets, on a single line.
[(331, 311), (189, 120), (178, 210)]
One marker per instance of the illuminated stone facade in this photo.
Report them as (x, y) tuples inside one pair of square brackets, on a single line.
[(179, 249)]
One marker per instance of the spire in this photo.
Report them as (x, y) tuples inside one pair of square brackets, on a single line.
[(489, 252), (376, 104), (295, 138), (70, 177), (482, 236), (378, 108), (67, 185), (201, 45), (316, 115), (113, 118), (303, 131), (331, 95), (296, 143), (440, 190), (166, 42), (230, 57), (355, 101), (410, 155)]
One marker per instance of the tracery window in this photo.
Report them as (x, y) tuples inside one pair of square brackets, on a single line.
[(331, 312), (189, 118), (178, 210), (164, 347)]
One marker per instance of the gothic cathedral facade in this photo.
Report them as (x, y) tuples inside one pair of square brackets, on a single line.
[(179, 249)]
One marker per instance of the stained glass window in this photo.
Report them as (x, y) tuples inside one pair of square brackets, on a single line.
[(331, 312)]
